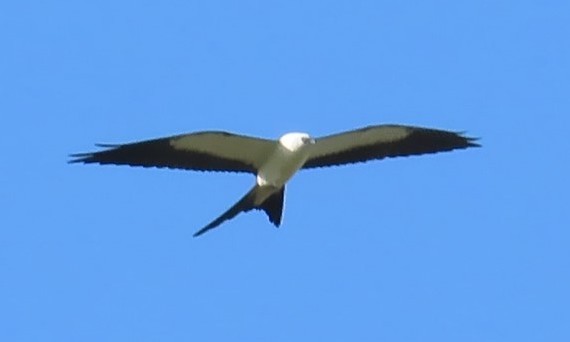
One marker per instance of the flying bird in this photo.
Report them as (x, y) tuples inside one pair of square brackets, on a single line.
[(274, 162)]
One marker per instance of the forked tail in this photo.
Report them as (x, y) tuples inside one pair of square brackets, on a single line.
[(273, 207)]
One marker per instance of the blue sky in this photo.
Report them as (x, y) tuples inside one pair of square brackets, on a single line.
[(464, 246)]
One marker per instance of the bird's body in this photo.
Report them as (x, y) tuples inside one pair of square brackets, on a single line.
[(275, 162), (289, 155), (268, 193)]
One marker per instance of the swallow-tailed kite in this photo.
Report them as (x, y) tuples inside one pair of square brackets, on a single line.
[(274, 162)]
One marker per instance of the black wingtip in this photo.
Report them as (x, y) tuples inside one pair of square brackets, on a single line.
[(473, 142), (108, 145), (89, 157), (467, 140), (79, 158)]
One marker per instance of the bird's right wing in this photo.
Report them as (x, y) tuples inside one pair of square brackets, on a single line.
[(201, 151)]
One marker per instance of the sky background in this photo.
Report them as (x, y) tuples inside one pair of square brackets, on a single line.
[(471, 245)]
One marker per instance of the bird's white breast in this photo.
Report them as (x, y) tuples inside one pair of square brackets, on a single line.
[(288, 157)]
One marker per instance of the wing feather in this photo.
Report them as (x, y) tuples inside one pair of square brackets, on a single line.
[(383, 141), (201, 151)]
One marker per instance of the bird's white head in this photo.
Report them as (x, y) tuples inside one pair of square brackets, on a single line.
[(296, 141)]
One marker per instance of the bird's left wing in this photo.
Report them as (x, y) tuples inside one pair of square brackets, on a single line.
[(383, 141), (201, 151)]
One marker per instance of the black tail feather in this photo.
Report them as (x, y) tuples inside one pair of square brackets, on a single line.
[(273, 206), (245, 204)]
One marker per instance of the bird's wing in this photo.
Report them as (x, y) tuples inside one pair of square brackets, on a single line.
[(383, 141), (201, 151)]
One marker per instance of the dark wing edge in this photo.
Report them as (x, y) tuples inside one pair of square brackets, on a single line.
[(160, 153), (417, 142)]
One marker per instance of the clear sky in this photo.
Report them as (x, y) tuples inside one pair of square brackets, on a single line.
[(465, 246)]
